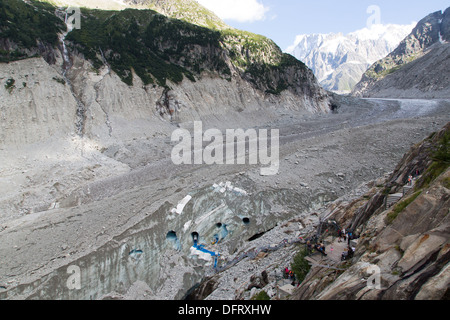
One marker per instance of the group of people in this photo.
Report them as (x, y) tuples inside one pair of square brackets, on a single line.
[(411, 178), (318, 246), (348, 253), (346, 235), (289, 274)]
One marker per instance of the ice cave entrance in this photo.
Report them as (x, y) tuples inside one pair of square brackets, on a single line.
[(195, 237), (173, 239)]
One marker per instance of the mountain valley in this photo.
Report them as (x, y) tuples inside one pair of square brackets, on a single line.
[(93, 207)]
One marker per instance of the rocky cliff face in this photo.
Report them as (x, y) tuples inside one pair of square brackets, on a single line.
[(186, 10), (408, 243), (416, 68), (126, 68)]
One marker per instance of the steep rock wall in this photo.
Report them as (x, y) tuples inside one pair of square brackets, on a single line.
[(410, 247)]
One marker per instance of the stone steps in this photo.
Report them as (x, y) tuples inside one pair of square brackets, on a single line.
[(393, 199)]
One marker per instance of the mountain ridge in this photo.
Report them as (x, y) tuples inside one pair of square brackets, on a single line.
[(165, 62), (187, 10), (339, 60), (401, 73)]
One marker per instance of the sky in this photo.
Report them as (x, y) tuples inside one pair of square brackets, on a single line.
[(283, 20)]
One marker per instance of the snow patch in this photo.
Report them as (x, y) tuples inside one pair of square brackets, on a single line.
[(227, 186), (201, 255), (180, 207), (441, 40), (187, 225)]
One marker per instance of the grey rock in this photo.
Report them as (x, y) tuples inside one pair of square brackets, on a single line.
[(417, 67)]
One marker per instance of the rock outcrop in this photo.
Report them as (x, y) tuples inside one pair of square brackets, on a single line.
[(121, 63), (407, 246), (417, 68)]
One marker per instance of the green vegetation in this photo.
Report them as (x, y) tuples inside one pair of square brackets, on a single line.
[(441, 162), (399, 207), (26, 25), (159, 49), (387, 190), (389, 71), (446, 182), (262, 296), (434, 171), (59, 80), (440, 156), (10, 85), (188, 11), (390, 65), (397, 247), (156, 48), (396, 272), (300, 266), (259, 58)]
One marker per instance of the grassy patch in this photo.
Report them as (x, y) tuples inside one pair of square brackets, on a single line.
[(399, 207), (59, 80), (300, 265), (26, 25), (262, 296), (446, 182), (157, 48), (9, 86), (441, 162)]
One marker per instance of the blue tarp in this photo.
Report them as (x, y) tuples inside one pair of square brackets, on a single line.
[(213, 254)]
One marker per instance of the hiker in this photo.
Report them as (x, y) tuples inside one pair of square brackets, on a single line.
[(321, 248), (350, 252), (349, 236), (308, 245), (292, 277), (344, 254), (286, 273)]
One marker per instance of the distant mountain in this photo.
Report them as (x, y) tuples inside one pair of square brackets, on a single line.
[(417, 68), (339, 60)]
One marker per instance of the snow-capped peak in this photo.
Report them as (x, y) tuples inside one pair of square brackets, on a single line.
[(335, 57)]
